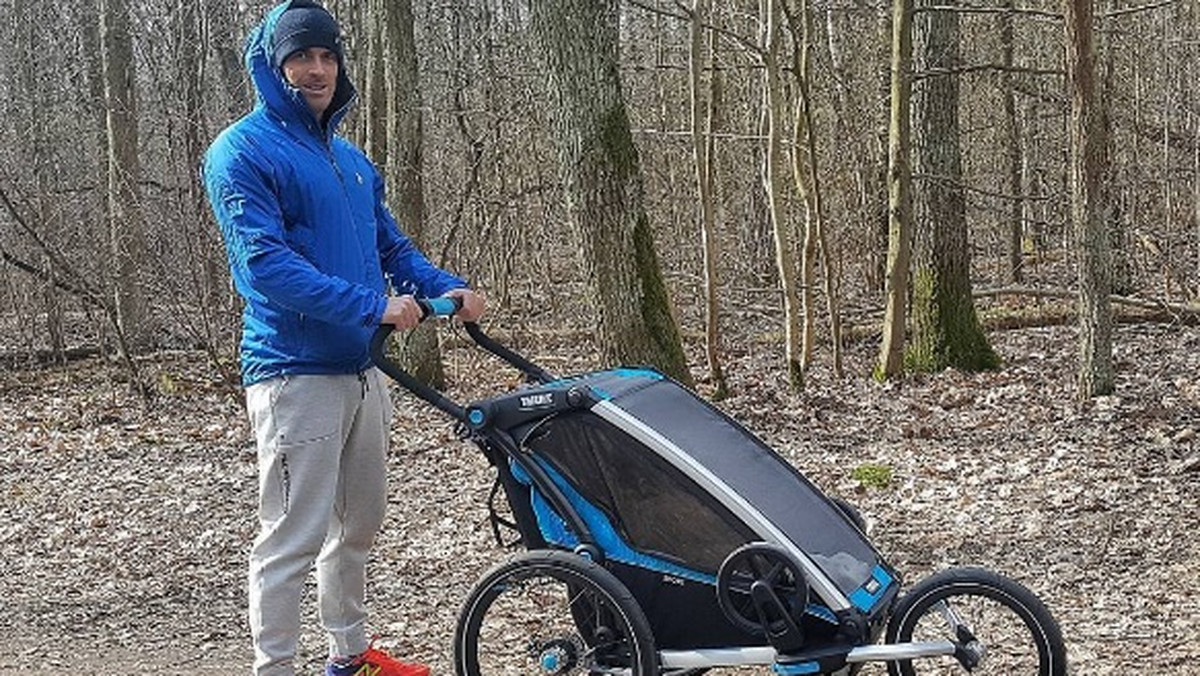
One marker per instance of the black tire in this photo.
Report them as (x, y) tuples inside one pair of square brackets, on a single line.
[(552, 613), (851, 513), (761, 562), (1015, 629)]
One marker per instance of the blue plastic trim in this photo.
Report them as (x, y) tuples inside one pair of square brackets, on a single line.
[(821, 613), (600, 392), (636, 373), (555, 531), (863, 598), (442, 307), (798, 668)]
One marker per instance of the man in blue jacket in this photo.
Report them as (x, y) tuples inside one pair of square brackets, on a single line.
[(311, 246)]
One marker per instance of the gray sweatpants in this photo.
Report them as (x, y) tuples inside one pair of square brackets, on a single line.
[(322, 486)]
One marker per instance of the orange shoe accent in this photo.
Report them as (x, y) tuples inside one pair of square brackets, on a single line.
[(375, 662)]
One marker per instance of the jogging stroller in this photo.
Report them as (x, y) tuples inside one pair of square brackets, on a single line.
[(662, 537)]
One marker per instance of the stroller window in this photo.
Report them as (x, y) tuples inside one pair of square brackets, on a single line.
[(654, 507)]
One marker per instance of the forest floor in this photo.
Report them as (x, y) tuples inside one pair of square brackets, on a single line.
[(124, 529)]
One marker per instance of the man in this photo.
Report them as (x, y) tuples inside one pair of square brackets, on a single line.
[(310, 242)]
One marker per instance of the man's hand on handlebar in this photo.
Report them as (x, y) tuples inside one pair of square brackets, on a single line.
[(405, 312), (473, 304), (402, 312)]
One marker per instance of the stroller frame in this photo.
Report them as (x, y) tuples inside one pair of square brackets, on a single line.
[(858, 615)]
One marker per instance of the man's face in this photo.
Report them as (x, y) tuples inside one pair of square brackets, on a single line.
[(314, 72)]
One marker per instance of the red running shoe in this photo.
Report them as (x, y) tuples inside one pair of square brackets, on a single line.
[(375, 662)]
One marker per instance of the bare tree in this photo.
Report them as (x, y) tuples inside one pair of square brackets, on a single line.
[(602, 181), (945, 329), (774, 105), (1096, 374), (900, 226), (805, 155), (127, 239), (1011, 134), (702, 154)]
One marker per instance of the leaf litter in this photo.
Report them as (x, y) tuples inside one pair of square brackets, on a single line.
[(124, 531)]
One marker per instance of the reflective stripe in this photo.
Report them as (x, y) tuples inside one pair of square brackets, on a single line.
[(717, 488)]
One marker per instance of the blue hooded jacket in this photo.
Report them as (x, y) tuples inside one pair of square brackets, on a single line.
[(307, 232)]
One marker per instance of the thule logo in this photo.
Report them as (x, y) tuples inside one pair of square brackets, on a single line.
[(542, 400)]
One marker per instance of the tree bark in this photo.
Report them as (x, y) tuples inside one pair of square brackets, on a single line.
[(900, 227), (702, 114), (773, 181), (127, 239), (1096, 375), (1012, 151), (945, 329), (601, 177), (376, 103), (420, 352)]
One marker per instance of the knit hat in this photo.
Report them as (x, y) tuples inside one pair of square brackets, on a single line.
[(305, 24)]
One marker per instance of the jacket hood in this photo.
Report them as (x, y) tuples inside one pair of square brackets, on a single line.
[(273, 91)]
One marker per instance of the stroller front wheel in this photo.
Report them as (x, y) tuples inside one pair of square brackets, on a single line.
[(552, 613), (997, 625)]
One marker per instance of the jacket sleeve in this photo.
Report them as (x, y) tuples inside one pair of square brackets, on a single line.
[(410, 270), (265, 268)]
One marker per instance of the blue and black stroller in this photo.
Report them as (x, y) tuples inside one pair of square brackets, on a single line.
[(664, 538)]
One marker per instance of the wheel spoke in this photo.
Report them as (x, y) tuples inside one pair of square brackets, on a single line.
[(1000, 627), (551, 614)]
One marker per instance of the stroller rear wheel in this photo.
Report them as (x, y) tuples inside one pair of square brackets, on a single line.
[(998, 626), (552, 613)]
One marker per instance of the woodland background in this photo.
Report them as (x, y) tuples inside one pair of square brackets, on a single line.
[(130, 507), (108, 108)]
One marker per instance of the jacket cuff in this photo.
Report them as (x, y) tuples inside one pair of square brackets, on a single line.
[(375, 316)]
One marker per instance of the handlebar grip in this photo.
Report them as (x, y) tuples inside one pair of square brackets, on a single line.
[(444, 306)]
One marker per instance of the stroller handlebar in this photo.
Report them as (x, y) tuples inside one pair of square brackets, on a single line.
[(441, 307), (531, 370), (395, 372)]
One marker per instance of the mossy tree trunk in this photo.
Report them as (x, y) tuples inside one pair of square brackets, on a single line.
[(945, 329), (602, 182)]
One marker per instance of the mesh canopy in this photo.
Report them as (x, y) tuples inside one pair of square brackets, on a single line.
[(750, 469), (653, 506), (639, 459)]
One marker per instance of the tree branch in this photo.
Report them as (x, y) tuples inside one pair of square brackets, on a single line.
[(939, 72), (40, 273), (1135, 10), (1152, 304), (749, 45), (1039, 13)]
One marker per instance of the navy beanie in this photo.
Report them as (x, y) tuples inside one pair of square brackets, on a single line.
[(305, 24)]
